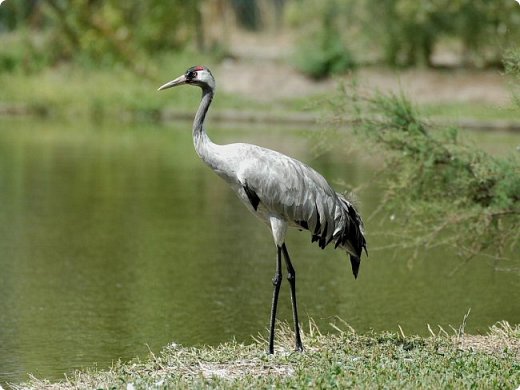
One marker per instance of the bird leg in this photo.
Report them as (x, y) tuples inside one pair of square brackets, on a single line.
[(291, 277), (277, 282)]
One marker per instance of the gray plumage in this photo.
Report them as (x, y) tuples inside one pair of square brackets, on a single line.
[(292, 193), (281, 191)]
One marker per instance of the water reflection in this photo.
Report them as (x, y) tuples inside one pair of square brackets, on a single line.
[(117, 239)]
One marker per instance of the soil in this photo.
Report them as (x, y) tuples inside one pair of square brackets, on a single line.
[(259, 67)]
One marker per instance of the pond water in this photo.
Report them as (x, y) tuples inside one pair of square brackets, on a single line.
[(116, 240)]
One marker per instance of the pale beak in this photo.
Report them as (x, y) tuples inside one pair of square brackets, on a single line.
[(170, 84)]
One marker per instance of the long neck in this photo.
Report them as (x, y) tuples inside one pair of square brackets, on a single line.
[(201, 140)]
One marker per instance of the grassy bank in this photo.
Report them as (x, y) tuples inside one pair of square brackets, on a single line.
[(69, 90), (344, 359), (73, 91)]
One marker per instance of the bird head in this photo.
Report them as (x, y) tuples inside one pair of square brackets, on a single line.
[(196, 75)]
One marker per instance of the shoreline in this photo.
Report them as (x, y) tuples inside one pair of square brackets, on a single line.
[(293, 118)]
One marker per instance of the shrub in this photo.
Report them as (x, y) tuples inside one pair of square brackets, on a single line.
[(441, 190), (322, 51)]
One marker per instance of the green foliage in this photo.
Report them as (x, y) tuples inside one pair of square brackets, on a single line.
[(110, 31), (102, 33), (248, 13), (409, 30), (15, 13), (322, 51), (11, 57), (512, 67), (440, 189), (324, 56), (401, 32), (404, 29), (22, 53)]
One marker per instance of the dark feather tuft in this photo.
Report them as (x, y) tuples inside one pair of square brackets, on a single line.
[(318, 224), (252, 196), (303, 224)]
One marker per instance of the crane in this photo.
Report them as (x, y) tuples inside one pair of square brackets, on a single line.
[(281, 191)]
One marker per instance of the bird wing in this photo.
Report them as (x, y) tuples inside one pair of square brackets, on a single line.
[(277, 185), (289, 189)]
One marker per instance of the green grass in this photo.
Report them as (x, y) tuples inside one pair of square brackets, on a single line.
[(74, 91), (343, 359), (476, 111), (446, 112)]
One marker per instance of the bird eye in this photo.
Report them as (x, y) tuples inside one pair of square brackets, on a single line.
[(192, 75)]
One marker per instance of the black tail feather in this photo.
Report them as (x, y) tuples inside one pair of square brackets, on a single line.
[(355, 261), (350, 236)]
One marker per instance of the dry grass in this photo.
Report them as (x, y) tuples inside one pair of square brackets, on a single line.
[(502, 338)]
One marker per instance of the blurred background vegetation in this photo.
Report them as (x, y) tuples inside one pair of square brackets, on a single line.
[(94, 46), (333, 35)]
